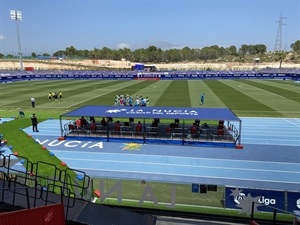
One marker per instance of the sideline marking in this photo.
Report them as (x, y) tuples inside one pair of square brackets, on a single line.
[(14, 109)]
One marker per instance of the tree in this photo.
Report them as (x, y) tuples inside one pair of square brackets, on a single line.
[(1, 55), (59, 53), (154, 54), (106, 53), (33, 55), (83, 53), (172, 55), (125, 53), (208, 53), (244, 49), (231, 50), (296, 46), (71, 51), (187, 54), (140, 55), (252, 49), (260, 49), (94, 54), (280, 56)]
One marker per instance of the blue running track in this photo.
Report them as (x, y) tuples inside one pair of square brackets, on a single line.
[(270, 158)]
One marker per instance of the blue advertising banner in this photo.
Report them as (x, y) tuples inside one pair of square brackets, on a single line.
[(242, 198), (130, 75), (293, 201)]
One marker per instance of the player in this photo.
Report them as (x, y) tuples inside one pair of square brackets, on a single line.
[(202, 98), (50, 97)]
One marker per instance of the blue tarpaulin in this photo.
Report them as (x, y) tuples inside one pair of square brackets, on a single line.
[(154, 112)]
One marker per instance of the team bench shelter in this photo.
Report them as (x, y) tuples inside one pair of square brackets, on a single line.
[(169, 125)]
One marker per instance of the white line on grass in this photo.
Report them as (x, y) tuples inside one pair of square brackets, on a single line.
[(103, 89), (151, 86), (255, 88), (110, 90), (14, 109), (69, 106), (246, 86)]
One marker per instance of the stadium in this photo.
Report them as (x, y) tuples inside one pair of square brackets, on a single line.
[(255, 179)]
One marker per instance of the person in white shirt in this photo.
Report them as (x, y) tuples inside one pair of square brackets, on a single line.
[(32, 102)]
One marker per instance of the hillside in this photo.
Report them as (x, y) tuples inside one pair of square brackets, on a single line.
[(112, 64)]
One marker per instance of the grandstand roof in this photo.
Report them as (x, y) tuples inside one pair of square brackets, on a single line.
[(154, 112)]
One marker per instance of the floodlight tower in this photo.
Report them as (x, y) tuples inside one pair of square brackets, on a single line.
[(17, 16), (278, 43)]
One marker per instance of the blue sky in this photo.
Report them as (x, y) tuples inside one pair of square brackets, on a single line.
[(51, 25)]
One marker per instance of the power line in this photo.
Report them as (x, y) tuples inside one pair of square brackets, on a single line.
[(278, 43)]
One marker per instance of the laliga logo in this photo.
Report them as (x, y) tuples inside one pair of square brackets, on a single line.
[(267, 201), (239, 198), (298, 203), (261, 200)]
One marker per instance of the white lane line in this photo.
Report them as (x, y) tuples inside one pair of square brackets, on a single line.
[(290, 122), (179, 157), (185, 165)]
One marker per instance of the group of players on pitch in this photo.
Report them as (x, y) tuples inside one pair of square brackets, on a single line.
[(55, 96), (127, 100)]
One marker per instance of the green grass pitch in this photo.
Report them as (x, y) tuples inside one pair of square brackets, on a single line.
[(260, 98)]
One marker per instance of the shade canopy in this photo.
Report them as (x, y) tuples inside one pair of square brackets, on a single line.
[(154, 112)]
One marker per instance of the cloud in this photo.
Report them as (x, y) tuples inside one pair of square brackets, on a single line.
[(123, 45), (159, 44), (2, 37), (165, 45)]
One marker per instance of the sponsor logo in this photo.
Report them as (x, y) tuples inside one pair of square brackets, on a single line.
[(115, 110), (71, 144), (239, 196), (154, 111), (267, 201)]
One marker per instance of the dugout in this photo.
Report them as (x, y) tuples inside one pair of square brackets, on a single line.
[(169, 125)]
